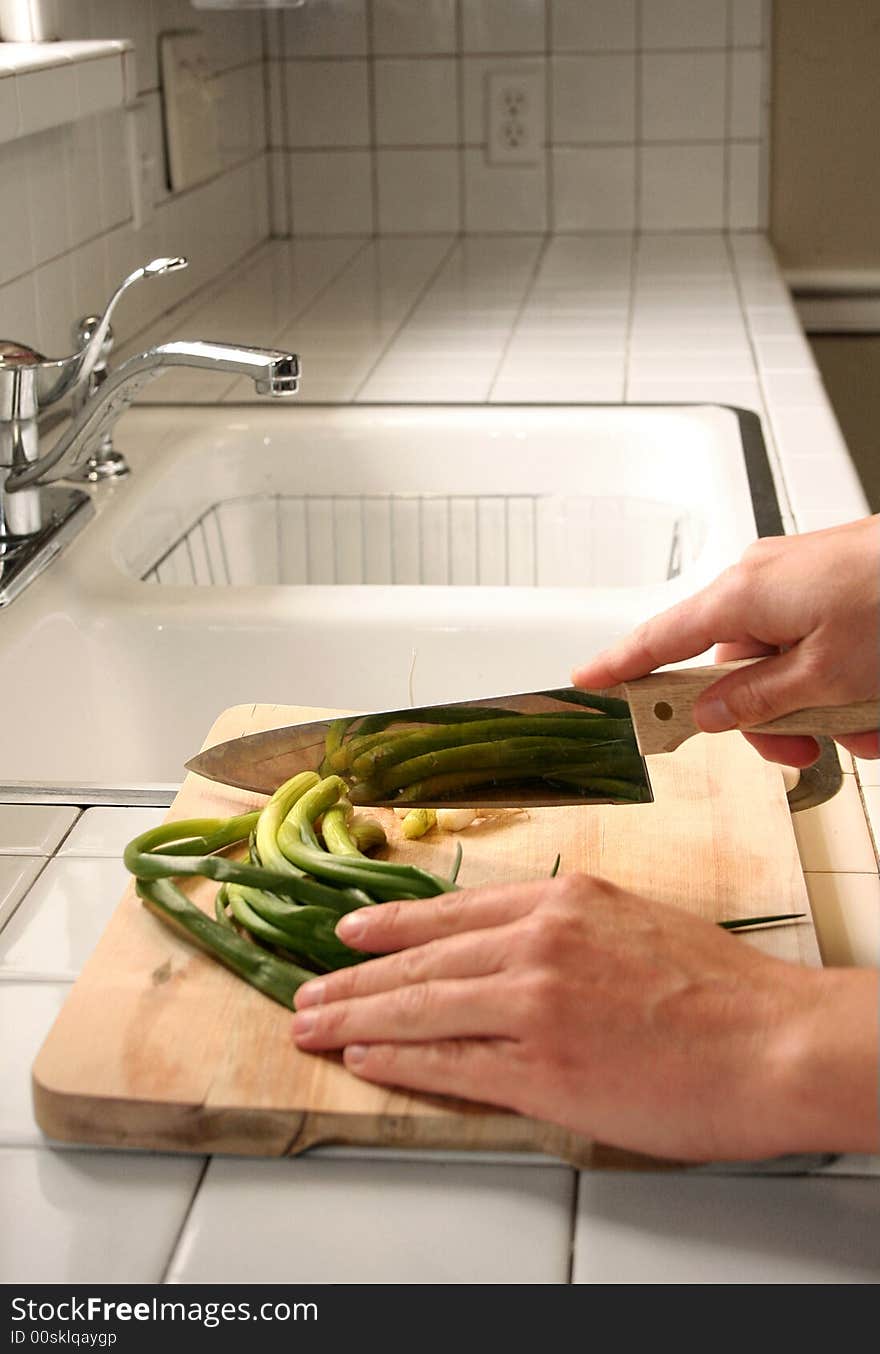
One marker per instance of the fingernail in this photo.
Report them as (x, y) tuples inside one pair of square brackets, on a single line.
[(714, 716), (351, 927), (311, 994), (355, 1053), (303, 1022)]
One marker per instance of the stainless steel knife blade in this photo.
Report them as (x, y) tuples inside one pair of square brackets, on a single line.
[(526, 749)]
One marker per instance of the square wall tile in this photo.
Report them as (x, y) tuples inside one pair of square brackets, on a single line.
[(683, 96), (503, 197), (747, 22), (746, 95), (594, 188), (16, 235), (416, 103), (279, 208), (682, 187), (275, 77), (594, 98), (337, 29), (744, 188), (327, 103), (593, 25), (684, 23), (418, 191), (9, 115), (47, 198), (46, 97), (18, 306), (54, 288), (504, 25), (401, 27), (331, 193), (99, 84)]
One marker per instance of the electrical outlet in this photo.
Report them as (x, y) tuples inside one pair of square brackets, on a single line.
[(515, 116)]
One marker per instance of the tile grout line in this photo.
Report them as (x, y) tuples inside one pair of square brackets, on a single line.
[(776, 463), (635, 246), (525, 299), (573, 1220), (175, 1245), (728, 116), (47, 860), (372, 118), (640, 121), (420, 297), (549, 144), (459, 118)]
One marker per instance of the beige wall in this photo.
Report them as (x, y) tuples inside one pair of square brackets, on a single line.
[(825, 146), (850, 366)]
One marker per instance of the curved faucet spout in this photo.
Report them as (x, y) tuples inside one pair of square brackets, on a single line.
[(273, 372)]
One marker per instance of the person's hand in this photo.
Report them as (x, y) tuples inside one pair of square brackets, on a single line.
[(811, 602), (626, 1020)]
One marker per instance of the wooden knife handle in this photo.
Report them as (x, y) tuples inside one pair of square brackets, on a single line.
[(662, 707)]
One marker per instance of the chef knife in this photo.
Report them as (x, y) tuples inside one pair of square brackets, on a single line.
[(619, 728)]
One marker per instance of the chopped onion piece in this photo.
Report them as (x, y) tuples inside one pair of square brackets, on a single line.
[(454, 820)]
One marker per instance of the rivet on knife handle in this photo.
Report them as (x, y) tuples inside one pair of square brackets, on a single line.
[(662, 708)]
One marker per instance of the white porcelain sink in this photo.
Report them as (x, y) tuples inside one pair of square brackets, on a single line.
[(359, 557)]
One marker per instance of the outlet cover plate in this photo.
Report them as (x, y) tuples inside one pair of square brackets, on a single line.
[(189, 106), (515, 115)]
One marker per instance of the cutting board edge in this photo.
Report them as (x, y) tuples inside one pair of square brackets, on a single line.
[(238, 1131)]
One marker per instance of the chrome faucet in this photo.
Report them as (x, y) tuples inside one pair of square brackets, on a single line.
[(273, 372), (35, 520)]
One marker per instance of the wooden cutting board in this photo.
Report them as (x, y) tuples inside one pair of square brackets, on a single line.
[(160, 1047)]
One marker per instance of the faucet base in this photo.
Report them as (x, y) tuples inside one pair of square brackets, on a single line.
[(22, 558), (103, 465)]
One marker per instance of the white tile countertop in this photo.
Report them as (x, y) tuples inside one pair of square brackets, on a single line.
[(693, 318)]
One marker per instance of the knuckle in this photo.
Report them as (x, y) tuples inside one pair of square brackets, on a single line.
[(411, 966), (540, 990), (411, 1001), (751, 702), (332, 1020)]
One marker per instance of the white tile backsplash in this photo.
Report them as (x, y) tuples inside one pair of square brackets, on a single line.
[(682, 187), (629, 73), (418, 191), (600, 25), (683, 96), (684, 23), (337, 29), (401, 28), (594, 188), (504, 197), (416, 102), (504, 25), (593, 98), (74, 235), (746, 95), (331, 194), (326, 103)]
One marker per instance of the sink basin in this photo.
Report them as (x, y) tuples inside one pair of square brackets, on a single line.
[(361, 557)]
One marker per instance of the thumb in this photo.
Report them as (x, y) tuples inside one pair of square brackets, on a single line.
[(757, 693)]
